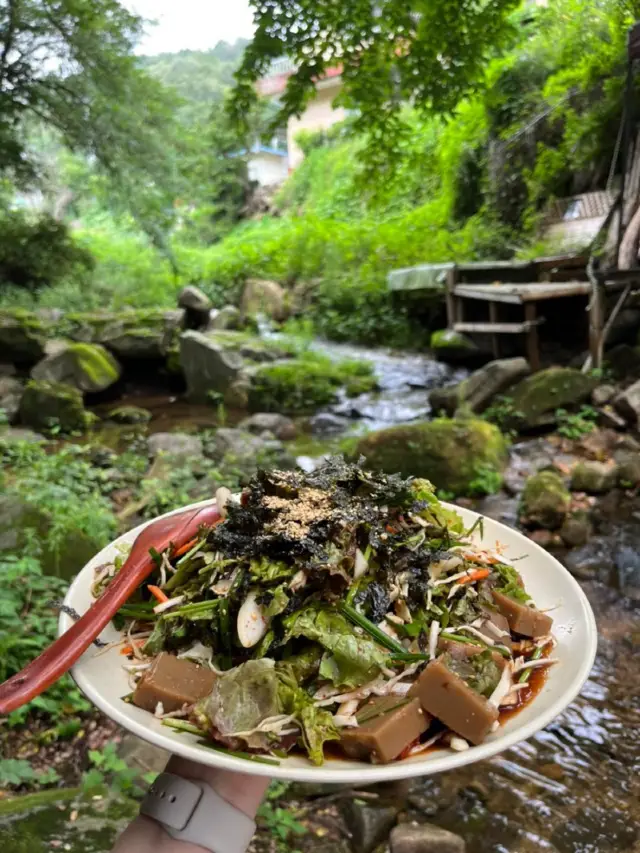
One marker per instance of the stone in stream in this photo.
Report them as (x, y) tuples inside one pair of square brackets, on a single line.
[(627, 403), (368, 825), (175, 444), (263, 297), (537, 398), (424, 838), (22, 337), (226, 318), (47, 404), (545, 500), (628, 462), (21, 434), (129, 415), (594, 478), (197, 307), (207, 365), (453, 347), (477, 391), (576, 529), (281, 426), (87, 367), (325, 423), (603, 394), (627, 566), (10, 396), (459, 456)]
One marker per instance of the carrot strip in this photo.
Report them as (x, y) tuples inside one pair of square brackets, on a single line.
[(186, 547), (157, 593), (477, 575)]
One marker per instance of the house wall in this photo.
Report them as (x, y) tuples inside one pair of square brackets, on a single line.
[(267, 169), (319, 115)]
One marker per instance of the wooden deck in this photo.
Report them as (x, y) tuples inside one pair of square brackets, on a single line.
[(518, 294)]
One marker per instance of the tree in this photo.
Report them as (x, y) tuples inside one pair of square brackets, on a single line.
[(427, 52)]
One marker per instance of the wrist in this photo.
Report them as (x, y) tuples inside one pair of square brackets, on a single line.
[(242, 791)]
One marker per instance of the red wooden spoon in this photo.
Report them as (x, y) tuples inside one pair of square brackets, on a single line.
[(65, 651)]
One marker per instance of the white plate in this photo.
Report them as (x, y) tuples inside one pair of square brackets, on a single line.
[(101, 678)]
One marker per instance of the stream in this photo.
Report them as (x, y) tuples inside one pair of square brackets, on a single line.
[(572, 788)]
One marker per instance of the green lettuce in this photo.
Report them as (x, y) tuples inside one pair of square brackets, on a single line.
[(316, 723), (434, 512), (265, 569), (353, 659)]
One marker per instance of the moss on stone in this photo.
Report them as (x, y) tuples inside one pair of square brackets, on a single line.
[(88, 367), (22, 337), (46, 405), (458, 456), (536, 399), (304, 384), (453, 346), (545, 500), (129, 415)]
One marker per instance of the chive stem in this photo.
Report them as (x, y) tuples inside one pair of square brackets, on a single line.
[(379, 636), (524, 676), (183, 726)]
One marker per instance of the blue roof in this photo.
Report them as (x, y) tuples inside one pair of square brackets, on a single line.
[(260, 149)]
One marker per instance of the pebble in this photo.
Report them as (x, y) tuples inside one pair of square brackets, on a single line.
[(424, 838)]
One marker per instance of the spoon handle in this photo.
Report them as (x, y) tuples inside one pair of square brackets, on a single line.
[(60, 656)]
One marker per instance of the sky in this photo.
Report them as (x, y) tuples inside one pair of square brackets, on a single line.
[(191, 24)]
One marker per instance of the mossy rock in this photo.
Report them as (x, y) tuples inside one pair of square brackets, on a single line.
[(88, 367), (536, 399), (450, 346), (594, 478), (545, 500), (129, 415), (52, 404), (304, 384), (461, 457), (22, 337)]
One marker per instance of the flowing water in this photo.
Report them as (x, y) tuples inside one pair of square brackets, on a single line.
[(572, 788)]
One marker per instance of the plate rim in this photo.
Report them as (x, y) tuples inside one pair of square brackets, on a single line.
[(187, 746)]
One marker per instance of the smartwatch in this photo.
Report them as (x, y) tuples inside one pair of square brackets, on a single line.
[(192, 811)]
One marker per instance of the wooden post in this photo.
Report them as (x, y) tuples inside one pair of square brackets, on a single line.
[(596, 322), (450, 283), (533, 348), (493, 318)]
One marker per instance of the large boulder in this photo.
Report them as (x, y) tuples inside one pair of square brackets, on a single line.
[(458, 456), (545, 501), (477, 391), (245, 453), (627, 403), (88, 367), (10, 396), (264, 297), (22, 337), (52, 404), (130, 335), (207, 365), (228, 317), (453, 347), (536, 399)]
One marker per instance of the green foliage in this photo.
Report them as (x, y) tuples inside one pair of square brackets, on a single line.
[(307, 382), (18, 773), (38, 252), (486, 481), (111, 771), (576, 424)]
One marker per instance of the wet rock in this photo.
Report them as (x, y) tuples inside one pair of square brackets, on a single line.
[(544, 538), (424, 838), (500, 507), (48, 404), (264, 297), (452, 347), (236, 397), (197, 307), (235, 443), (461, 456), (576, 529), (281, 426), (610, 419), (324, 423), (594, 478), (595, 828), (593, 561), (207, 365), (226, 318), (628, 463), (368, 826), (627, 566), (10, 396), (175, 444), (22, 337), (537, 398), (603, 394), (129, 415), (477, 391), (627, 403), (545, 500), (88, 367)]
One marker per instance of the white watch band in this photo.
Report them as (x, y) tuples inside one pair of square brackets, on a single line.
[(192, 811)]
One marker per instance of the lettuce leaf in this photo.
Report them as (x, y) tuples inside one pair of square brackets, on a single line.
[(434, 512), (316, 723), (265, 569), (354, 659)]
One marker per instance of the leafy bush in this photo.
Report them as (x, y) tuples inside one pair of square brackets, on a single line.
[(39, 252)]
